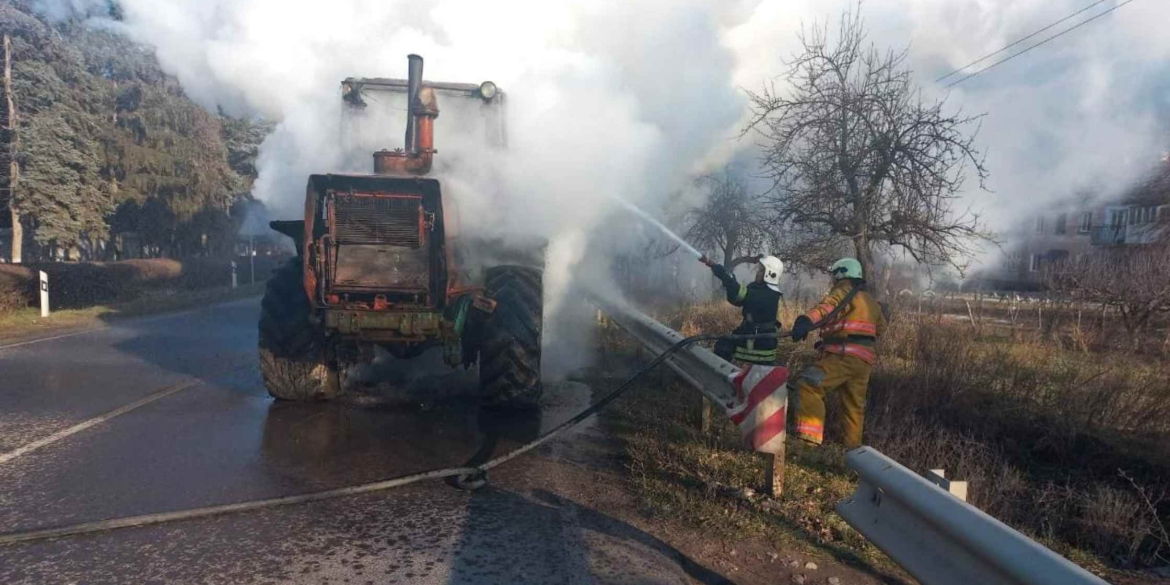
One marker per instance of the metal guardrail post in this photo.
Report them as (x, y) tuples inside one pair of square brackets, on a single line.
[(941, 540), (955, 488)]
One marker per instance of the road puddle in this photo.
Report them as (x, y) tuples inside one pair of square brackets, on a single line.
[(368, 436)]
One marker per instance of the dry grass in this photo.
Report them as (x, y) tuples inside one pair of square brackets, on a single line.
[(710, 482), (1082, 326), (1042, 432)]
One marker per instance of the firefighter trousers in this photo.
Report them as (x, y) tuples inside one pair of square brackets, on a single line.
[(846, 373)]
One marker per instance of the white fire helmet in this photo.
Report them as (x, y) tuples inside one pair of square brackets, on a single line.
[(773, 268)]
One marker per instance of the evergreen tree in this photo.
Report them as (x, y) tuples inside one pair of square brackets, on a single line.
[(110, 143)]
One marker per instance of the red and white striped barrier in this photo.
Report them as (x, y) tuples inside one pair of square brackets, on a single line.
[(761, 406)]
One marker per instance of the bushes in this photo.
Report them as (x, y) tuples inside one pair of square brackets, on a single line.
[(85, 284), (12, 293), (17, 287)]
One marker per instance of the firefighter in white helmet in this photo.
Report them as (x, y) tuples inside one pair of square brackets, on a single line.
[(761, 303)]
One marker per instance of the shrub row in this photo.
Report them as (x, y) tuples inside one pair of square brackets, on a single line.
[(77, 285)]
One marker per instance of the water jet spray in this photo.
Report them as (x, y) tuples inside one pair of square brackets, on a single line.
[(665, 230)]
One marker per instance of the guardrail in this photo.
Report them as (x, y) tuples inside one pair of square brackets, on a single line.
[(935, 536), (938, 538), (703, 370)]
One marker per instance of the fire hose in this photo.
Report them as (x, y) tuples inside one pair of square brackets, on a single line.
[(466, 477)]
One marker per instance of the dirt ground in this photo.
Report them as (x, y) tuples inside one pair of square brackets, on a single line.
[(749, 561), (588, 470)]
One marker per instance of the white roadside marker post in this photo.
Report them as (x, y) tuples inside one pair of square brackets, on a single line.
[(44, 294), (233, 274)]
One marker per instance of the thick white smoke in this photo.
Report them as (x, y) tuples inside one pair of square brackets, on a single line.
[(631, 98), (643, 92), (1090, 110), (605, 99), (618, 98)]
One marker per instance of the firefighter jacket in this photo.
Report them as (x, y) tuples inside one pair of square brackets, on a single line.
[(855, 328), (760, 308)]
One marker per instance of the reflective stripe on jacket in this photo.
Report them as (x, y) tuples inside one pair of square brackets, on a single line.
[(861, 318), (850, 327)]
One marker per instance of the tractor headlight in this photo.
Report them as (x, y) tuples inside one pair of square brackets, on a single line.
[(488, 90)]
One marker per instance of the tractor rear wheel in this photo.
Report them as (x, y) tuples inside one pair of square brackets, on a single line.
[(509, 354), (296, 359)]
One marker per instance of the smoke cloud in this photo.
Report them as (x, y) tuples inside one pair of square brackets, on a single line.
[(627, 98), (1087, 112), (631, 99), (605, 99)]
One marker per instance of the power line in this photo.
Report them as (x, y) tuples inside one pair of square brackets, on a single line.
[(990, 55), (1043, 42)]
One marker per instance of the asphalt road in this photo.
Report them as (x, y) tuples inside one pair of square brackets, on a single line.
[(212, 436)]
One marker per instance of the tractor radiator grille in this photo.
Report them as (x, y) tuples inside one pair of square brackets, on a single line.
[(363, 219)]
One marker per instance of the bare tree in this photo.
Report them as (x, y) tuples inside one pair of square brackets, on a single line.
[(1135, 280), (9, 167), (731, 221), (811, 247), (856, 154)]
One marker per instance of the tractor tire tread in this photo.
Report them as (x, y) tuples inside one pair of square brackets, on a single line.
[(509, 358), (294, 355)]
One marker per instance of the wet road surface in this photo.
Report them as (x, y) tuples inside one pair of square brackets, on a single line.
[(217, 438)]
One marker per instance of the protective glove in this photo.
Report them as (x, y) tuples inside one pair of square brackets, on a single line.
[(719, 271), (801, 328)]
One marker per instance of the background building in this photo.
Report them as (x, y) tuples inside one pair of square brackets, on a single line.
[(1140, 216)]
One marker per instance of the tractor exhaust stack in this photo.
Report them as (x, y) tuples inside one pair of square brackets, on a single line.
[(421, 110), (413, 84)]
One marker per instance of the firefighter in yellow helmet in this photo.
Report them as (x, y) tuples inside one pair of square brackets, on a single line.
[(760, 301), (853, 321)]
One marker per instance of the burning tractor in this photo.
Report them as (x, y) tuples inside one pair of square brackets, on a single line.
[(379, 263)]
